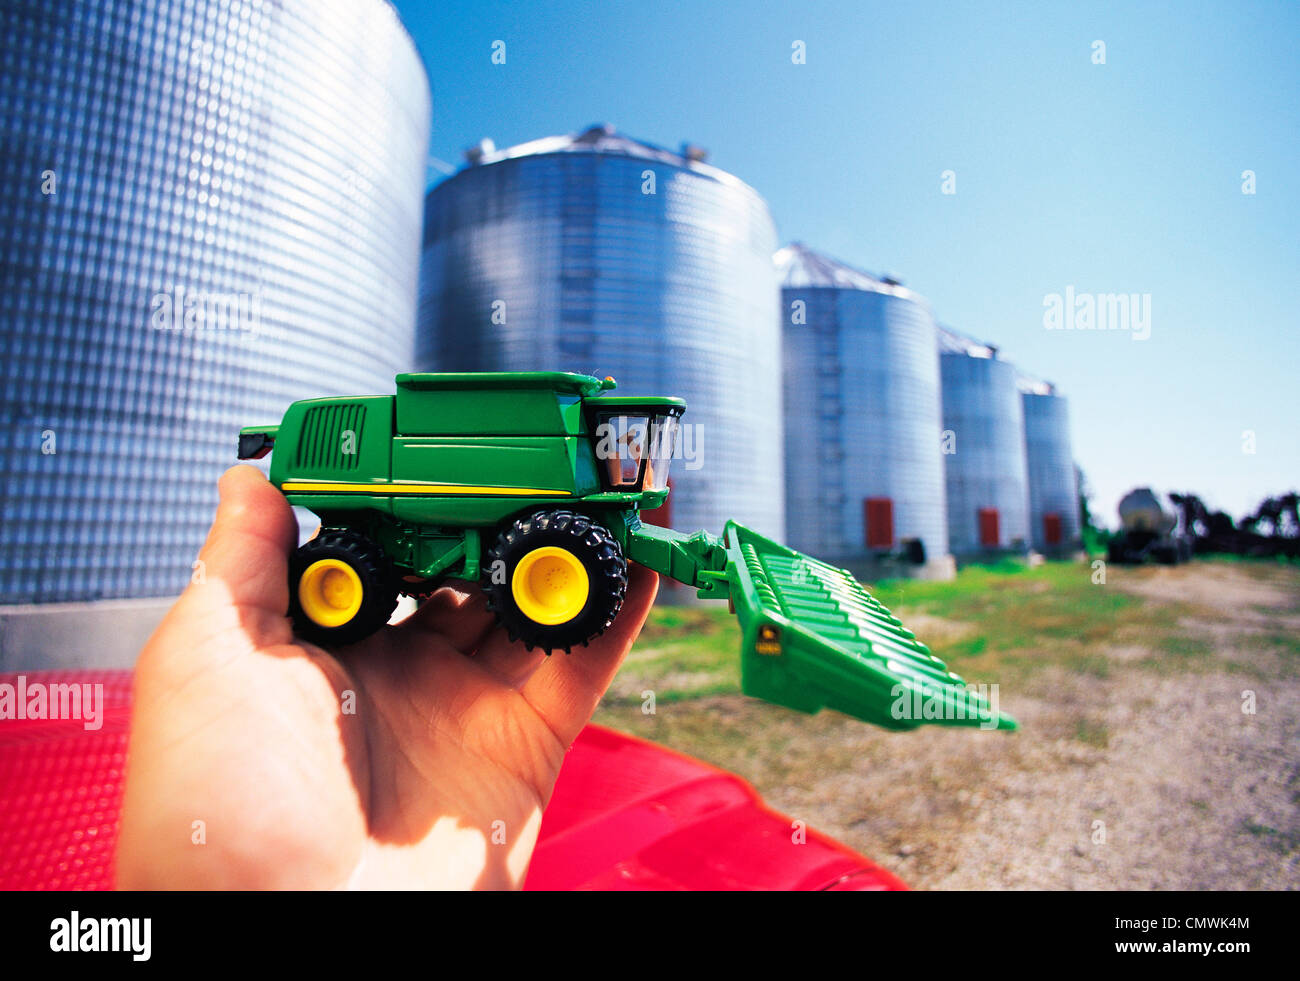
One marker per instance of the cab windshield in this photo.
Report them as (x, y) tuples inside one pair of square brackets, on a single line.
[(636, 449)]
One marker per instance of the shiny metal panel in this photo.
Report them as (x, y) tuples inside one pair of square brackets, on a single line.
[(984, 421), (601, 254), (862, 411), (1053, 484), (207, 209)]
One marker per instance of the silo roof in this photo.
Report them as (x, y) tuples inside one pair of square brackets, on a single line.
[(1029, 385), (952, 342), (602, 138), (800, 267)]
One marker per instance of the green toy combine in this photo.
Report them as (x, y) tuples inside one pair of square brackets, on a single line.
[(532, 484)]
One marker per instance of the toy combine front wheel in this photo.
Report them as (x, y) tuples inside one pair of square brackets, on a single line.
[(341, 588), (555, 579)]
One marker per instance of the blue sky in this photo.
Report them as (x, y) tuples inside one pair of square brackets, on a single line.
[(1123, 177)]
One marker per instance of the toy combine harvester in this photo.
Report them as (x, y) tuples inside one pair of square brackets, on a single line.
[(532, 484)]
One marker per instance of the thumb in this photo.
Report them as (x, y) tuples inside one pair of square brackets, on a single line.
[(240, 581), (248, 546)]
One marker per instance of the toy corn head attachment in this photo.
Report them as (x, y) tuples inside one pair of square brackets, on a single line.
[(533, 484)]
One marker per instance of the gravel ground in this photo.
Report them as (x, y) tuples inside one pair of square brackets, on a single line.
[(1146, 774)]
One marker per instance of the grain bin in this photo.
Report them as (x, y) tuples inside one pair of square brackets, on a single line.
[(598, 253), (984, 449), (1053, 484), (864, 472), (207, 210)]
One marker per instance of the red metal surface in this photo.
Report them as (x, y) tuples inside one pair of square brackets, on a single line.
[(878, 516), (988, 519), (1052, 528), (61, 790), (626, 814)]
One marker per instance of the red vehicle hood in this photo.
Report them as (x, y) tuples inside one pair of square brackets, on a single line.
[(626, 814)]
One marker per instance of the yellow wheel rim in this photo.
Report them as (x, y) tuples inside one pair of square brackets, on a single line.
[(330, 592), (550, 585)]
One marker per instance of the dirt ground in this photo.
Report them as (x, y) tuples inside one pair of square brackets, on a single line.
[(1155, 771)]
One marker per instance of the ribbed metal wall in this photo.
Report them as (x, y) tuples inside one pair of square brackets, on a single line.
[(862, 417), (982, 411), (266, 153), (1053, 486), (553, 255)]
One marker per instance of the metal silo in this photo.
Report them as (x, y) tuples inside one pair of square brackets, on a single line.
[(1053, 484), (207, 209), (864, 474), (599, 253), (984, 449)]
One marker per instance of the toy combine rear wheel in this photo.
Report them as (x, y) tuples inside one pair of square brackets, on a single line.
[(555, 579), (341, 588)]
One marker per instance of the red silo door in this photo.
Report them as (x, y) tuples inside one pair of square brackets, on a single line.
[(988, 518), (1052, 528), (878, 520)]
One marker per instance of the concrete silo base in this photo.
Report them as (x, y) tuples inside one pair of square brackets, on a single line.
[(988, 556), (874, 570), (77, 636), (107, 634), (1072, 553)]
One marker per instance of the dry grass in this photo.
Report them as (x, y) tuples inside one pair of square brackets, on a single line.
[(1130, 695)]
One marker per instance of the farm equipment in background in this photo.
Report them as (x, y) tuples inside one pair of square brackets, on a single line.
[(532, 484), (1149, 532)]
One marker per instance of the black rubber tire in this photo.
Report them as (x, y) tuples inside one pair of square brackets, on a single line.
[(595, 548), (378, 586)]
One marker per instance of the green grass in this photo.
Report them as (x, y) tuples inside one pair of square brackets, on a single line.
[(1252, 562), (1276, 640), (1002, 622), (1283, 842), (1092, 732), (1179, 652), (1015, 620), (683, 652)]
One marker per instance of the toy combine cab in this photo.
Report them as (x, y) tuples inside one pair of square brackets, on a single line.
[(532, 484)]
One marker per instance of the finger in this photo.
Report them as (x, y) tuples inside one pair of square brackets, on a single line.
[(459, 614), (566, 690), (249, 543), (510, 661)]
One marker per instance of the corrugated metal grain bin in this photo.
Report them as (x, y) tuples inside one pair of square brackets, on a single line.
[(207, 210), (1053, 484), (599, 253), (984, 452), (864, 471)]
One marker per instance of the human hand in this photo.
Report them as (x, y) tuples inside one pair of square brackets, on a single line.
[(240, 725)]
